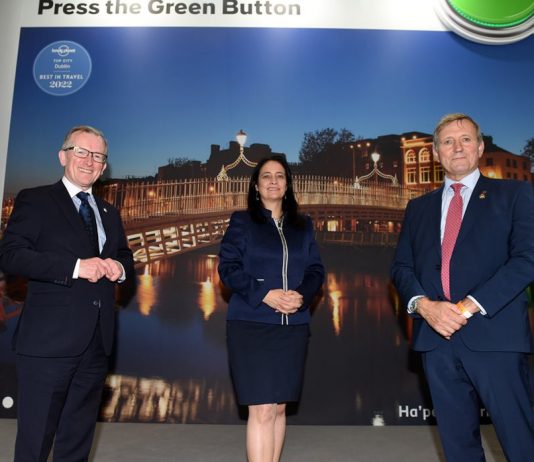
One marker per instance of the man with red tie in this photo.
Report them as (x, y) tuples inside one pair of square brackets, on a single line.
[(464, 258), (72, 248)]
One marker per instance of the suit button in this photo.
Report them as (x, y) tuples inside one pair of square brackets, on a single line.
[(96, 303)]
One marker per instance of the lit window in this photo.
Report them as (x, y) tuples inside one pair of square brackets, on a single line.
[(424, 155), (438, 174), (411, 175), (425, 175)]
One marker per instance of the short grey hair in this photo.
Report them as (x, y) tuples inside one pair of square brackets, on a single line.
[(84, 129), (447, 119)]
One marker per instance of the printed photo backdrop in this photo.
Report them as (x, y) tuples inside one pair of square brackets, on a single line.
[(175, 98)]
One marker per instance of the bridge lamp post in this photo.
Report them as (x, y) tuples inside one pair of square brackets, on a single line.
[(365, 148), (353, 163), (241, 138), (375, 158)]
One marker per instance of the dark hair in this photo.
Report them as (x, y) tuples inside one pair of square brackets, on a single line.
[(289, 203)]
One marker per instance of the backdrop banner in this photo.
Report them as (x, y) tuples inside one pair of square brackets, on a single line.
[(190, 95)]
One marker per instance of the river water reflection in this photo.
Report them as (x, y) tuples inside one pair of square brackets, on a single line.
[(171, 363)]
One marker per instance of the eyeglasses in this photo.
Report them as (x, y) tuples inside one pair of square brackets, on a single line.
[(83, 153)]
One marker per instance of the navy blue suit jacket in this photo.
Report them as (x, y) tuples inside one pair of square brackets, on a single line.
[(251, 263), (493, 260), (42, 242)]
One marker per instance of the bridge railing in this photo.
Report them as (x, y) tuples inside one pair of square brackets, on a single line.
[(143, 200)]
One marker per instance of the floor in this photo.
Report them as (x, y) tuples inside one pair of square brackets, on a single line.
[(132, 442)]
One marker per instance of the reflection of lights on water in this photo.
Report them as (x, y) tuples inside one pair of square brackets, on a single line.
[(153, 400), (336, 316), (206, 298), (146, 292), (358, 402), (335, 294), (205, 270), (210, 261), (201, 269)]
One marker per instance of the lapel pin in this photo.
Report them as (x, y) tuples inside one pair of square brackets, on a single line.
[(482, 195)]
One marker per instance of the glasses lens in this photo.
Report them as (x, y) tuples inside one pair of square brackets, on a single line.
[(99, 157), (80, 152), (84, 153)]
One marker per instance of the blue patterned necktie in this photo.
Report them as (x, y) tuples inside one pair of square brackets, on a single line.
[(88, 217)]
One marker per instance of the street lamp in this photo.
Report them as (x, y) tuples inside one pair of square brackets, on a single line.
[(376, 157), (241, 138), (353, 164)]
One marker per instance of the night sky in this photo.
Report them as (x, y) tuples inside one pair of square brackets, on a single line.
[(160, 93)]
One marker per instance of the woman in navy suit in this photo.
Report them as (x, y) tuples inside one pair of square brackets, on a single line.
[(270, 261)]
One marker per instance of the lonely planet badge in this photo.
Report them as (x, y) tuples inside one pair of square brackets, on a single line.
[(493, 22), (62, 68)]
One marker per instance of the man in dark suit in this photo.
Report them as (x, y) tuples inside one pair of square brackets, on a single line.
[(464, 258), (72, 249)]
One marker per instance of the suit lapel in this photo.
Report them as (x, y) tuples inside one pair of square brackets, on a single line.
[(61, 196), (435, 220), (106, 222), (66, 205), (475, 209)]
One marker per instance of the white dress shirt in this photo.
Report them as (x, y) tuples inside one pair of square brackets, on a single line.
[(469, 182), (73, 190)]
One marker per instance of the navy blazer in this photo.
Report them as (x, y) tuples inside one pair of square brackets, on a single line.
[(42, 242), (493, 261), (251, 264)]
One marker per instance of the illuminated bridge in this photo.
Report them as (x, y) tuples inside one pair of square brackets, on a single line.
[(163, 219)]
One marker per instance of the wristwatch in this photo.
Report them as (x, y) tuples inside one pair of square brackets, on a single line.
[(414, 305)]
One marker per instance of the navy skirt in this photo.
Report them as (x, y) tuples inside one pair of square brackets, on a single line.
[(266, 361)]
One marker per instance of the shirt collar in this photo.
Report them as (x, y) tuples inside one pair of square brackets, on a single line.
[(72, 188), (469, 181)]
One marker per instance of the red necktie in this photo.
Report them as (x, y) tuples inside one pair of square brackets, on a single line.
[(452, 228)]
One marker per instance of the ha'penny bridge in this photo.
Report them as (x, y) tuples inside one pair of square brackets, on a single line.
[(166, 218)]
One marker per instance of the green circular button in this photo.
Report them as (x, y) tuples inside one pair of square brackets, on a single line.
[(496, 14)]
